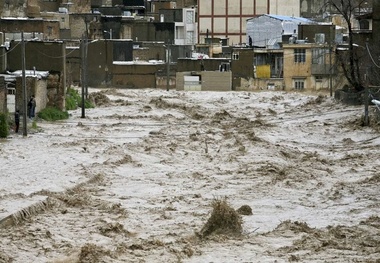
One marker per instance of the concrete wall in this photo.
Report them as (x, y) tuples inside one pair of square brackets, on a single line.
[(44, 56), (210, 80), (149, 51), (63, 18), (243, 66), (309, 31), (153, 31), (217, 81), (100, 57), (171, 15), (161, 80), (73, 64), (252, 84), (136, 75), (49, 28)]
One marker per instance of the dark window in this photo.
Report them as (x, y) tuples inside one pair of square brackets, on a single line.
[(299, 84), (364, 24), (299, 55)]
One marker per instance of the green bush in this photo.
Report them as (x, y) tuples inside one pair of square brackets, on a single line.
[(74, 100), (4, 127), (53, 114)]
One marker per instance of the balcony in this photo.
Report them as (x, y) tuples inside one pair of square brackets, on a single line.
[(322, 69)]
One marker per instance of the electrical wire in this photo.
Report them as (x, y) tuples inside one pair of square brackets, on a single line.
[(370, 55), (10, 49)]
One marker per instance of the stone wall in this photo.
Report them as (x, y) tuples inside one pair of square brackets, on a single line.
[(56, 93)]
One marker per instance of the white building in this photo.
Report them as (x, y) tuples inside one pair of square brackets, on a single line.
[(186, 30), (226, 19)]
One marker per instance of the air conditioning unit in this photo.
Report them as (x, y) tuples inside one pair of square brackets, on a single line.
[(320, 38), (63, 10), (292, 40)]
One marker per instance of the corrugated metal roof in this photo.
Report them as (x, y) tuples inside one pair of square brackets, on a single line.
[(291, 18), (288, 18)]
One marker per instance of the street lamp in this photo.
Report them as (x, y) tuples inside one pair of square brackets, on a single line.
[(109, 32)]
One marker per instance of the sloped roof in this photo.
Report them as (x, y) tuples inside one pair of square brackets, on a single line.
[(288, 18), (291, 18)]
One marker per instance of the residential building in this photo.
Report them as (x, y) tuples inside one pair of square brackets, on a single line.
[(184, 23), (310, 66), (226, 19)]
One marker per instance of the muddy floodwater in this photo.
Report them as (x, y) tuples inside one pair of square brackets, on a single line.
[(136, 180)]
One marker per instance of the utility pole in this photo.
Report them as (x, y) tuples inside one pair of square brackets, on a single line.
[(83, 73), (330, 61), (366, 98), (168, 66), (85, 65), (25, 97)]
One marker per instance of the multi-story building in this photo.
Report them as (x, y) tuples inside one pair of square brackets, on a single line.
[(184, 22), (226, 19), (308, 66)]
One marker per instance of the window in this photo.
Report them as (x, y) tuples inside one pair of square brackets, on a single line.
[(299, 84), (190, 37), (299, 55), (235, 56), (364, 24), (11, 91), (319, 55), (318, 78), (189, 17)]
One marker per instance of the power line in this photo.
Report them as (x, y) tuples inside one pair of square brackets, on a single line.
[(370, 55)]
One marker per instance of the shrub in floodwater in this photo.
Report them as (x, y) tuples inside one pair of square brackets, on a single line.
[(74, 100), (53, 114), (223, 220)]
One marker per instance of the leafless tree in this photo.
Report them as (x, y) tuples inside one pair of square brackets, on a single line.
[(351, 58)]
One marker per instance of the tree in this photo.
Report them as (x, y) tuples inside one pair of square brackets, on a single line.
[(4, 129), (351, 57)]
